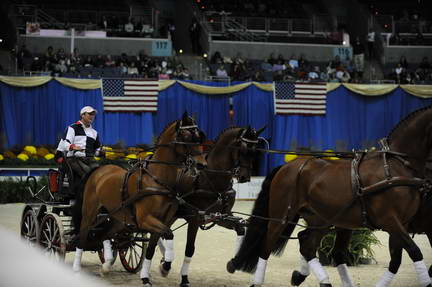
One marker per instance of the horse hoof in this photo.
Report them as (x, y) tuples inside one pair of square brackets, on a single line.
[(164, 268), (185, 281), (146, 282), (297, 278), (106, 268), (230, 266)]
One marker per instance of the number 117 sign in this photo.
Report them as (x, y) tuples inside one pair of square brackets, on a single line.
[(162, 48)]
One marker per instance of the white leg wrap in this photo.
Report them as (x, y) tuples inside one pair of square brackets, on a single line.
[(145, 270), (422, 273), (260, 272), (185, 266), (386, 279), (238, 243), (344, 275), (161, 247), (108, 253), (304, 266), (77, 261), (319, 271), (169, 250)]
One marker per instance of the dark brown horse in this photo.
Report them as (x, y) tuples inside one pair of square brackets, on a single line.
[(209, 194), (142, 198), (379, 190), (420, 223)]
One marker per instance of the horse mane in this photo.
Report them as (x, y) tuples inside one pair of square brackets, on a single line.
[(406, 120), (165, 128), (224, 131)]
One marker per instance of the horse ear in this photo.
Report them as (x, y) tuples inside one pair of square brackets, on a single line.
[(261, 130), (185, 115)]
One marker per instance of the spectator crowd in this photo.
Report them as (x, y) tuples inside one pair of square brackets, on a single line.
[(59, 63)]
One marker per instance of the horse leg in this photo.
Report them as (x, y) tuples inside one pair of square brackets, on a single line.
[(145, 270), (238, 228), (108, 256), (88, 216), (154, 225), (416, 256), (168, 254), (395, 248), (189, 252), (429, 235), (340, 253), (309, 241), (273, 232)]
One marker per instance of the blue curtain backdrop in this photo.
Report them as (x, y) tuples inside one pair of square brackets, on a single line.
[(253, 106), (39, 116), (352, 121), (211, 111)]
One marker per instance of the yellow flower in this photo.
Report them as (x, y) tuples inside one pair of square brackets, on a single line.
[(110, 155), (131, 156), (290, 157), (23, 156), (42, 152), (1, 157), (30, 149), (49, 156), (144, 154), (331, 155)]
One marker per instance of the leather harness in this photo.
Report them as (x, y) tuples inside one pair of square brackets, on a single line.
[(359, 191)]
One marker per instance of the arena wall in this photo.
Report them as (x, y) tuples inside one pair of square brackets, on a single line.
[(95, 46)]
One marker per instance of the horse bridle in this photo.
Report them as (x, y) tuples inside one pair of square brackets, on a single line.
[(243, 150)]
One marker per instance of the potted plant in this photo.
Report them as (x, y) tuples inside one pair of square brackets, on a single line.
[(359, 250)]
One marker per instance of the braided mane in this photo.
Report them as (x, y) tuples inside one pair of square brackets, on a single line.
[(223, 131), (407, 119), (165, 128)]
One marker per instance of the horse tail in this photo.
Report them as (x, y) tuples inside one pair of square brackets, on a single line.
[(77, 207), (283, 239), (246, 258)]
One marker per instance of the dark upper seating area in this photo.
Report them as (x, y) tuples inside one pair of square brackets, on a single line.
[(409, 22), (254, 8), (290, 21), (114, 17)]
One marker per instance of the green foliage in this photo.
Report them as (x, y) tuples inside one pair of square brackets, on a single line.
[(12, 190), (359, 249)]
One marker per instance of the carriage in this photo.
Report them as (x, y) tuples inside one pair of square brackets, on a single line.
[(48, 223)]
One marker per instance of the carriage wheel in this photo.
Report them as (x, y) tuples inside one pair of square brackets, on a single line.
[(29, 227), (51, 237), (132, 256), (102, 258)]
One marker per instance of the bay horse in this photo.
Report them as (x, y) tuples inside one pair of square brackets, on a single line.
[(141, 198), (419, 224), (208, 194), (376, 190)]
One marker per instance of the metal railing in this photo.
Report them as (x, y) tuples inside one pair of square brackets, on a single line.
[(217, 24)]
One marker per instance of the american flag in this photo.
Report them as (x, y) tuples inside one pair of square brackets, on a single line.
[(300, 98), (136, 95)]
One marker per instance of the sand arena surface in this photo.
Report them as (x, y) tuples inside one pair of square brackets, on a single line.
[(215, 247)]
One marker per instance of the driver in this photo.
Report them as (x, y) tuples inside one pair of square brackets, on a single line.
[(78, 146)]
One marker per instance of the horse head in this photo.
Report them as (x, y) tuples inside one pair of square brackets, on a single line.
[(244, 152), (188, 137), (413, 137)]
